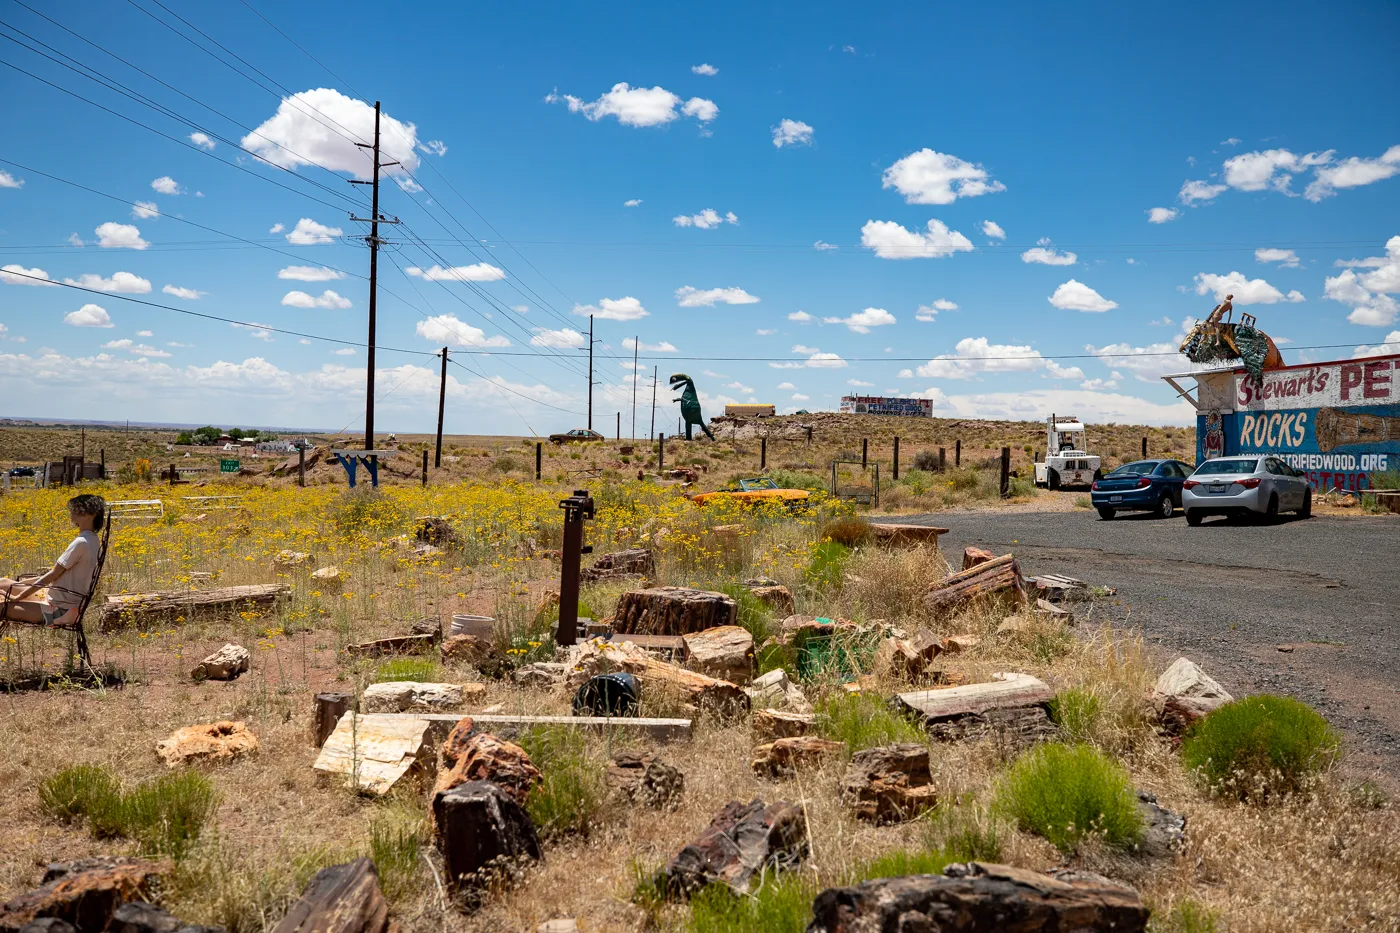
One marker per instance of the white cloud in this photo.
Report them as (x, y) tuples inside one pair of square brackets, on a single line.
[(145, 210), (561, 339), (1284, 257), (862, 321), (123, 283), (739, 387), (799, 397), (75, 240), (1076, 296), (786, 387), (638, 106), (1034, 405), (15, 274), (929, 177), (792, 133), (1099, 385), (1390, 345), (707, 219), (135, 349), (1246, 291), (344, 351), (820, 360), (765, 332), (929, 313), (632, 202), (993, 229), (189, 294), (690, 297), (708, 71), (309, 274), (906, 374), (165, 185), (327, 299), (822, 246), (664, 346), (89, 316), (801, 317), (800, 348), (1232, 141), (976, 355), (1161, 215), (256, 331), (308, 232), (889, 240), (1193, 191), (614, 309), (1295, 297), (299, 134), (202, 141), (1353, 172), (119, 236), (9, 181), (859, 384), (276, 228), (1049, 257), (145, 333), (434, 147), (448, 330), (1272, 168), (1378, 309), (477, 272)]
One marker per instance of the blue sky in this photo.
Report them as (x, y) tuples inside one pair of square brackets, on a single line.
[(924, 200)]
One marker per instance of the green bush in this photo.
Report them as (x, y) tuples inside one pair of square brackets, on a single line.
[(753, 613), (82, 790), (826, 564), (1188, 916), (1076, 711), (906, 862), (1261, 744), (506, 464), (796, 479), (570, 796), (394, 843), (1067, 792), (863, 722), (781, 903), (420, 669)]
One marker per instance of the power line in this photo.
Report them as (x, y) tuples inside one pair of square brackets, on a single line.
[(568, 411)]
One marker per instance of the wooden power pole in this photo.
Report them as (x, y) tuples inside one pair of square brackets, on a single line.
[(442, 400), (373, 240)]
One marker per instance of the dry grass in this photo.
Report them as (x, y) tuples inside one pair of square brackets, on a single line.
[(1320, 861)]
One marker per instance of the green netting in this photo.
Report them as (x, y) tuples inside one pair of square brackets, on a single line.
[(1254, 350)]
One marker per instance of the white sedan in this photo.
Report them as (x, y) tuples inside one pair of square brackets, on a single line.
[(1242, 486)]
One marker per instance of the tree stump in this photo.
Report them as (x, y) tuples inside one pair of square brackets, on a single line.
[(340, 899), (480, 825), (997, 581), (972, 556), (672, 610), (329, 708), (889, 784), (739, 843)]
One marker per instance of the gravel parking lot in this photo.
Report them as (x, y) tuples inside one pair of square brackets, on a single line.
[(1230, 596)]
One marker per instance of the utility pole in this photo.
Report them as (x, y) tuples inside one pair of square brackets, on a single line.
[(442, 400), (590, 372), (655, 370), (373, 240), (636, 342)]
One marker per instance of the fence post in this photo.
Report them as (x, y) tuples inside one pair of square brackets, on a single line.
[(301, 466), (763, 453), (896, 458), (539, 456), (425, 467), (957, 453), (660, 451), (864, 451), (1144, 447), (942, 459), (576, 508), (102, 453), (1005, 472), (173, 474)]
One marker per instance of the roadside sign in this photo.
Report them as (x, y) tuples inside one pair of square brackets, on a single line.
[(228, 466)]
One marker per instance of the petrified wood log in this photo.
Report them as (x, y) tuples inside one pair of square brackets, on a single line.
[(329, 708), (134, 608), (672, 610), (340, 899), (997, 581)]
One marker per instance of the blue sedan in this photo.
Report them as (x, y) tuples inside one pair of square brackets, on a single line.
[(1141, 486)]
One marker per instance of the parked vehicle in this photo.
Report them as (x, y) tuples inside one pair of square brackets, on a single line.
[(1245, 486), (758, 489), (1067, 462), (22, 471), (1141, 486), (575, 436)]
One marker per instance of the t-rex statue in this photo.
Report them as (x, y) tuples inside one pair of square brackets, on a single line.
[(690, 404)]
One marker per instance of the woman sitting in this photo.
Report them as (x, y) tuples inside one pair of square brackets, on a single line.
[(54, 598)]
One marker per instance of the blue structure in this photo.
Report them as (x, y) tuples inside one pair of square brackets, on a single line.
[(1338, 422)]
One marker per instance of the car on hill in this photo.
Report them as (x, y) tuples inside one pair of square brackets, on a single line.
[(1141, 486), (577, 435), (1245, 487), (756, 489)]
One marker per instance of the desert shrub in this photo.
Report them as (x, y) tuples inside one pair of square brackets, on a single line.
[(850, 530), (82, 790), (1187, 916), (824, 567), (506, 464), (421, 669), (966, 833), (1067, 792), (1075, 711), (905, 862), (753, 613), (394, 843), (217, 885), (798, 479), (781, 903), (1260, 745), (964, 479), (863, 722), (570, 796), (367, 511), (926, 460)]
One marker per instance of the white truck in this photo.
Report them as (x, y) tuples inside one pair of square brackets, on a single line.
[(1066, 461)]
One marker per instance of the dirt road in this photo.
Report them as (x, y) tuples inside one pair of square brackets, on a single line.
[(1228, 596)]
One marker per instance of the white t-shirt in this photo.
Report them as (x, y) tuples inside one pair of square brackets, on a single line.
[(79, 561)]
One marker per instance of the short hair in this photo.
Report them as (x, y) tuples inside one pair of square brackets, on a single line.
[(89, 504)]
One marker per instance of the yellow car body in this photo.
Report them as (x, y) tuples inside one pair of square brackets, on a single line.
[(754, 490)]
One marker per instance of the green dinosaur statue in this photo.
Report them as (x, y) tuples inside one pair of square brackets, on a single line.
[(690, 404)]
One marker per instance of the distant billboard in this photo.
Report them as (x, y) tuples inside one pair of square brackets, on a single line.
[(884, 405)]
